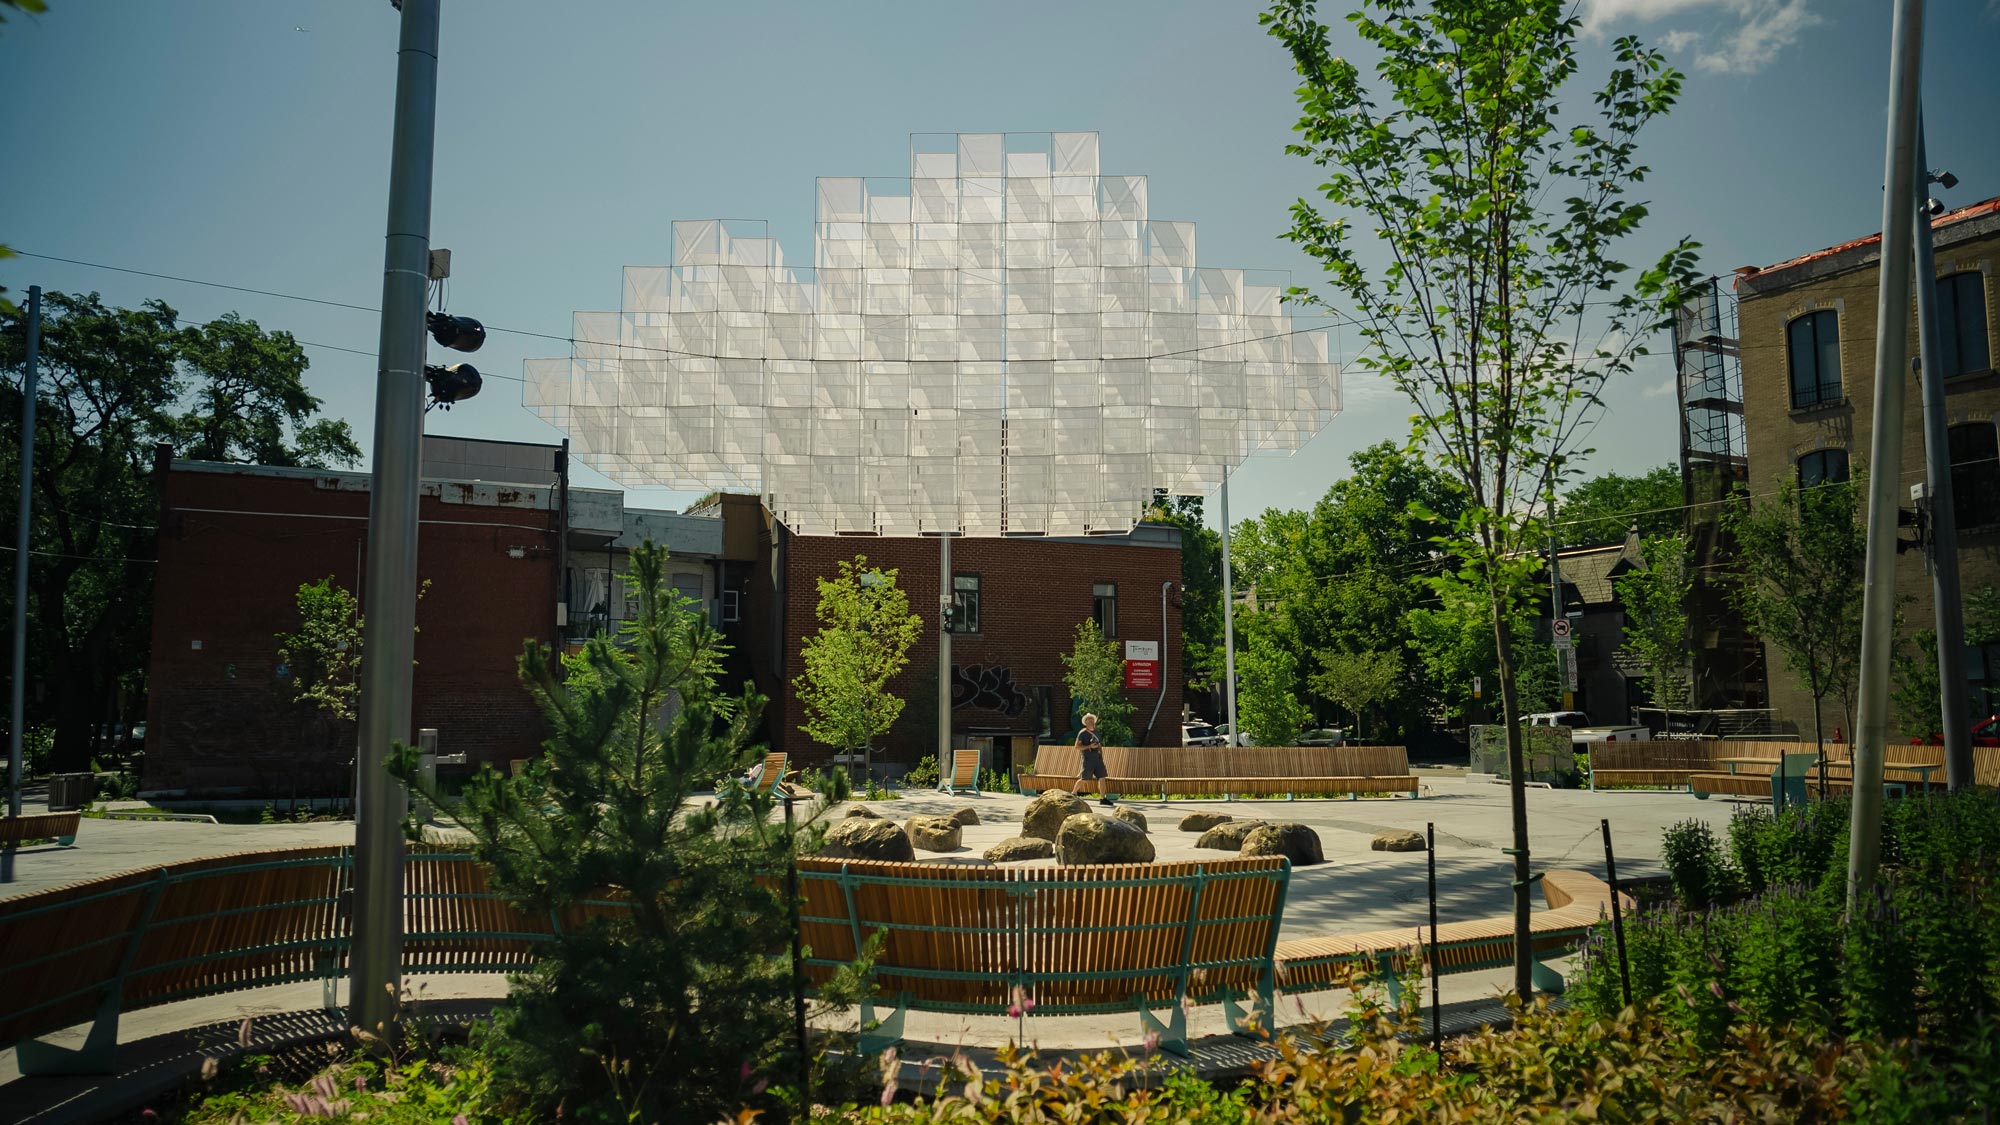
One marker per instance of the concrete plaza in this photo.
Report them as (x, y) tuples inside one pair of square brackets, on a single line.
[(1356, 889)]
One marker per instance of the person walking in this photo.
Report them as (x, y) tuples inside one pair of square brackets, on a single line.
[(1093, 758)]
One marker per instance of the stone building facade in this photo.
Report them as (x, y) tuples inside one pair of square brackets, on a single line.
[(1807, 337)]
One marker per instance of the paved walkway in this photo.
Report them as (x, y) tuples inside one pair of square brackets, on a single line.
[(1356, 889)]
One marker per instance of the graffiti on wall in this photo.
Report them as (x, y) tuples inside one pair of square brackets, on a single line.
[(987, 688)]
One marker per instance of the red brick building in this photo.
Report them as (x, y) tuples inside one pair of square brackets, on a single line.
[(511, 561), (1028, 596), (237, 541)]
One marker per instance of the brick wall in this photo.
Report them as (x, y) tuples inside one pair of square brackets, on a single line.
[(217, 719), (1034, 592), (1777, 435)]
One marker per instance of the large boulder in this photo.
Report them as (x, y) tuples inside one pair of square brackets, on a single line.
[(1203, 821), (1133, 817), (1398, 842), (1046, 813), (957, 861), (1227, 836), (1090, 838), (867, 837), (1295, 842), (933, 833), (1019, 848), (863, 810), (967, 817)]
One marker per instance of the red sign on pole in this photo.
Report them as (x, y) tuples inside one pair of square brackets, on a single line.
[(1142, 674)]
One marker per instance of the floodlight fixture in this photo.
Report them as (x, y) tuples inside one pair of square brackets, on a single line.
[(451, 384), (1933, 207), (459, 333)]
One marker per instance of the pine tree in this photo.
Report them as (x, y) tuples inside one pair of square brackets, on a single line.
[(671, 971)]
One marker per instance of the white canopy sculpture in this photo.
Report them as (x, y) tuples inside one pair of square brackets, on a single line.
[(1002, 343)]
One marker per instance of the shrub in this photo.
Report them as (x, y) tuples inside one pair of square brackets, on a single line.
[(1701, 874), (923, 775), (667, 1009)]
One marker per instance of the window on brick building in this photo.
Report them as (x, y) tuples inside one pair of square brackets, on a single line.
[(1975, 475), (965, 603), (732, 606), (1814, 341), (1825, 466), (1961, 305), (1104, 607)]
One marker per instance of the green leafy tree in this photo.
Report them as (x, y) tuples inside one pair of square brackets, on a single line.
[(324, 655), (1603, 508), (1267, 696), (1356, 681), (1096, 682), (1918, 693), (1201, 591), (1453, 643), (864, 638), (114, 383), (649, 1013), (1497, 309), (1801, 555), (1656, 620)]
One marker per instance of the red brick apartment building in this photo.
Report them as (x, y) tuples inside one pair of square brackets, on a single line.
[(511, 552)]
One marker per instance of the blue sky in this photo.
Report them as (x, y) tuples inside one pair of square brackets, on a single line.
[(248, 143)]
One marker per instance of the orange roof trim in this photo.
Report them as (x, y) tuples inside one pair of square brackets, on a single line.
[(1984, 207)]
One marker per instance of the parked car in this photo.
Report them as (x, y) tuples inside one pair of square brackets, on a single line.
[(1222, 731), (1582, 734), (1328, 736), (1199, 734)]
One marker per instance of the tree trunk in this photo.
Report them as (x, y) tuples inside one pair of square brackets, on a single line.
[(1819, 744), (1517, 798)]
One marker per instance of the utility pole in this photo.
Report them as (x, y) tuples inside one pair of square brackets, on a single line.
[(1885, 460), (390, 599), (1228, 623), (944, 654), (1562, 643), (16, 703), (1943, 530)]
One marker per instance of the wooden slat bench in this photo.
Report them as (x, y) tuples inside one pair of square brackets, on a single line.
[(1672, 763), (60, 827), (1077, 940), (1229, 771), (1577, 900)]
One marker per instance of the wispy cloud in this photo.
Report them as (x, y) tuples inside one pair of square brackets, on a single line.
[(1733, 36)]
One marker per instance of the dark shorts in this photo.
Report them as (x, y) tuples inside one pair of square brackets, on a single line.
[(1093, 764)]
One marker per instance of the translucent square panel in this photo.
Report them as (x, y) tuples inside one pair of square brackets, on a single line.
[(1004, 340)]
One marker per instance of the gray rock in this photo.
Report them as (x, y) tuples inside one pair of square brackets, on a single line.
[(1295, 842), (1228, 836), (1203, 821), (1091, 838), (1133, 817), (933, 833), (967, 817), (863, 810), (867, 837), (1020, 847), (1046, 813), (1398, 842)]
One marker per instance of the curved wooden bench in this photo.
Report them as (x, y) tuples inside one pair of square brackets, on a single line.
[(1251, 771), (1577, 901), (60, 827), (1078, 940)]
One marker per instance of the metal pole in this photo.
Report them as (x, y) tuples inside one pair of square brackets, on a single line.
[(16, 703), (1885, 461), (1228, 624), (1556, 614), (1437, 1008), (798, 957), (1617, 912), (1944, 520), (390, 597), (944, 655)]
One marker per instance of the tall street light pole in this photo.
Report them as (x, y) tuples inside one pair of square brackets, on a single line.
[(1885, 460), (1228, 624), (16, 705), (389, 602), (1943, 530)]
